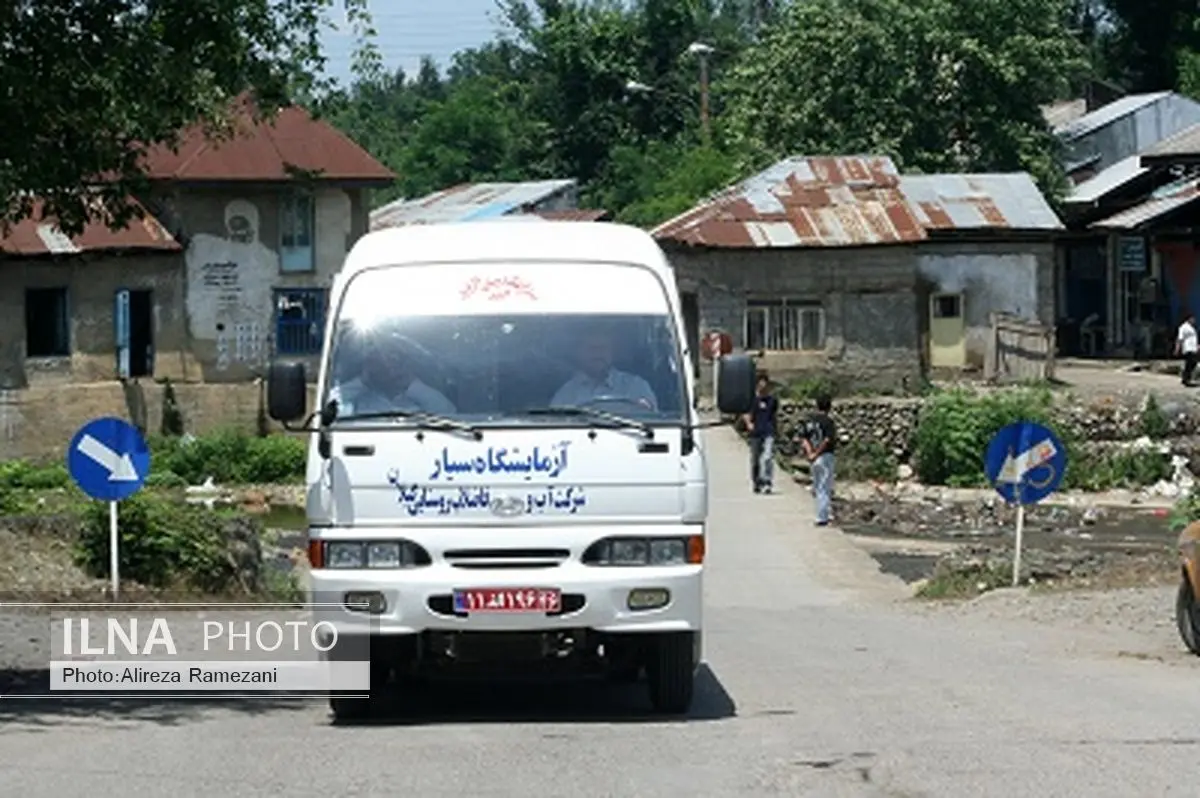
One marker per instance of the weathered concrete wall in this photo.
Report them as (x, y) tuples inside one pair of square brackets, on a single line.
[(38, 422), (1007, 277), (869, 296), (92, 283), (233, 267)]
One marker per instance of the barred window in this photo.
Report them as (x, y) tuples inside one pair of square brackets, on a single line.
[(784, 325)]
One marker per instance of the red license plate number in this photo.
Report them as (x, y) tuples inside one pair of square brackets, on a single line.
[(507, 599)]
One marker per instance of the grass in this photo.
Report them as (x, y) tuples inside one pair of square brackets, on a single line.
[(964, 583)]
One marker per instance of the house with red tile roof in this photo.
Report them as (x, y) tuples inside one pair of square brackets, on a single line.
[(241, 237)]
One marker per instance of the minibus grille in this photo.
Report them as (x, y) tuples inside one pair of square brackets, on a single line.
[(489, 559)]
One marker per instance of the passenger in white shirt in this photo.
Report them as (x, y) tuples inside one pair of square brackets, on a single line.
[(387, 384), (597, 379), (1186, 345)]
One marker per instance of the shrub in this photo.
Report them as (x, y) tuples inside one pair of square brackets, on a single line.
[(231, 457), (1153, 422), (955, 427), (21, 474), (866, 460), (165, 543), (809, 388), (165, 479), (1185, 511)]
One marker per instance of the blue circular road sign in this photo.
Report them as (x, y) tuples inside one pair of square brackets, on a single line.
[(108, 459), (1025, 462)]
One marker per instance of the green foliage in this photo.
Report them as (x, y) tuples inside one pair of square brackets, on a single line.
[(950, 582), (165, 479), (172, 416), (19, 474), (864, 461), (939, 85), (118, 76), (230, 457), (1184, 512), (809, 388), (955, 427), (164, 544), (1153, 422)]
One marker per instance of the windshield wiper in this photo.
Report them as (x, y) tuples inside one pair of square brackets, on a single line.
[(590, 412), (423, 419)]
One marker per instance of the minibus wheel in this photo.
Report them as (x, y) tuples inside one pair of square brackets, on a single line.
[(345, 708), (1186, 615), (671, 672)]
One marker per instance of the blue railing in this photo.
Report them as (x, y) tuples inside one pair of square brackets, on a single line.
[(299, 320)]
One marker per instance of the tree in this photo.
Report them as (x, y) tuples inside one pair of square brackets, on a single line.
[(90, 85), (938, 85)]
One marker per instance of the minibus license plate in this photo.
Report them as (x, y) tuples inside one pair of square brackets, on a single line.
[(507, 599)]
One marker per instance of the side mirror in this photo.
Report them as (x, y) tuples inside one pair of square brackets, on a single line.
[(736, 384), (287, 391)]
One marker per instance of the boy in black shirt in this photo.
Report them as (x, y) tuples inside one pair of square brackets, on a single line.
[(760, 423), (820, 445)]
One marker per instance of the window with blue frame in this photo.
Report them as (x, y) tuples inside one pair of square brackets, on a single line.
[(299, 320), (297, 223)]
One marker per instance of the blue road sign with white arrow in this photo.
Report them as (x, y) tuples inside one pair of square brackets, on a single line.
[(1025, 462), (108, 459)]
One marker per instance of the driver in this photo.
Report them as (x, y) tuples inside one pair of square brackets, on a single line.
[(387, 383), (598, 380)]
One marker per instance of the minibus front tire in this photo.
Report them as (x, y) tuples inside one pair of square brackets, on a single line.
[(671, 672)]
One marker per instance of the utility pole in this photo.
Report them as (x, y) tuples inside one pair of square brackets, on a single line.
[(702, 52)]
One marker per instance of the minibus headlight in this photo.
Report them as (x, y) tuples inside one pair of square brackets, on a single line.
[(630, 551), (373, 554)]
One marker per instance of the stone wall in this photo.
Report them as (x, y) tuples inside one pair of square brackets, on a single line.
[(890, 422), (38, 423)]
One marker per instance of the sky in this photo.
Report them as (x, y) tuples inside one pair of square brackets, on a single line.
[(409, 29)]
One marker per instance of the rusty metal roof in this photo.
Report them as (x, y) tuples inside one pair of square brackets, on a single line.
[(1168, 198), (469, 202), (835, 201), (979, 202), (857, 201), (267, 152), (37, 236)]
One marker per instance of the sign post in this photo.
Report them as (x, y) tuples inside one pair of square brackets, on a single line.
[(1025, 462), (109, 461)]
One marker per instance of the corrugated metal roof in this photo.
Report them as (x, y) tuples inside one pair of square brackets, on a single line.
[(263, 152), (803, 201), (468, 202), (979, 202), (37, 236), (577, 215), (1161, 202), (856, 201), (1185, 142), (1107, 114), (1109, 180)]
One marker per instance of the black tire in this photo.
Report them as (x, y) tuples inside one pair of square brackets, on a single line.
[(347, 709), (1186, 613), (671, 673)]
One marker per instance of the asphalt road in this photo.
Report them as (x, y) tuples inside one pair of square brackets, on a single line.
[(819, 682)]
